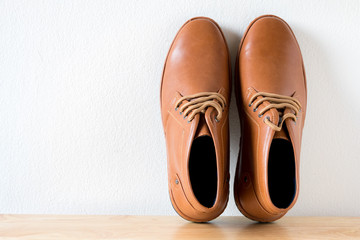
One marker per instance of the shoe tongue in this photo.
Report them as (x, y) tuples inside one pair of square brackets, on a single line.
[(282, 134), (202, 129)]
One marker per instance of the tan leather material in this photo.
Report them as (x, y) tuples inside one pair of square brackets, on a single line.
[(197, 62), (283, 134), (269, 60), (203, 129)]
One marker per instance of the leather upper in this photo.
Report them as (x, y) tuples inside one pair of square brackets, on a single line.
[(269, 60), (198, 61)]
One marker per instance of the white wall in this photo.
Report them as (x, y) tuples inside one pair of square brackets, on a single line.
[(80, 127)]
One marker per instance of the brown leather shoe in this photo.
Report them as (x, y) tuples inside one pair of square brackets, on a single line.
[(271, 98), (195, 95)]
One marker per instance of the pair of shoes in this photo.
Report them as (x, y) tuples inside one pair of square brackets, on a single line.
[(270, 89)]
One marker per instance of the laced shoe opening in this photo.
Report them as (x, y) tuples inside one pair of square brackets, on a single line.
[(203, 170), (281, 173)]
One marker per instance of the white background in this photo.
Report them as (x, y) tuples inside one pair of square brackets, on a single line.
[(80, 126)]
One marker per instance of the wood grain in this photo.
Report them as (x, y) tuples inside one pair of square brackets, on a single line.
[(173, 227)]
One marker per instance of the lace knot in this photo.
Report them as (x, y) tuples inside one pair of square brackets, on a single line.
[(199, 102), (278, 102)]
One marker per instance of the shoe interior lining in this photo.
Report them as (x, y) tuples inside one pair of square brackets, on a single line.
[(203, 170), (281, 173)]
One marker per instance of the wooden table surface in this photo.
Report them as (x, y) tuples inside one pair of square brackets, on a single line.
[(174, 227)]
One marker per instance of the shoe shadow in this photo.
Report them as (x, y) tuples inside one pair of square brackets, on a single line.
[(199, 231), (328, 102), (233, 40), (273, 230), (231, 228)]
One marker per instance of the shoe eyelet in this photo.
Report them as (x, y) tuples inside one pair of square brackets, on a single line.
[(267, 117), (217, 120), (188, 121), (176, 181), (250, 104), (260, 115), (180, 113), (255, 109), (176, 109), (245, 179), (185, 117)]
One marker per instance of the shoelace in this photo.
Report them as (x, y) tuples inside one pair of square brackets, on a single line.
[(279, 102), (199, 102)]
